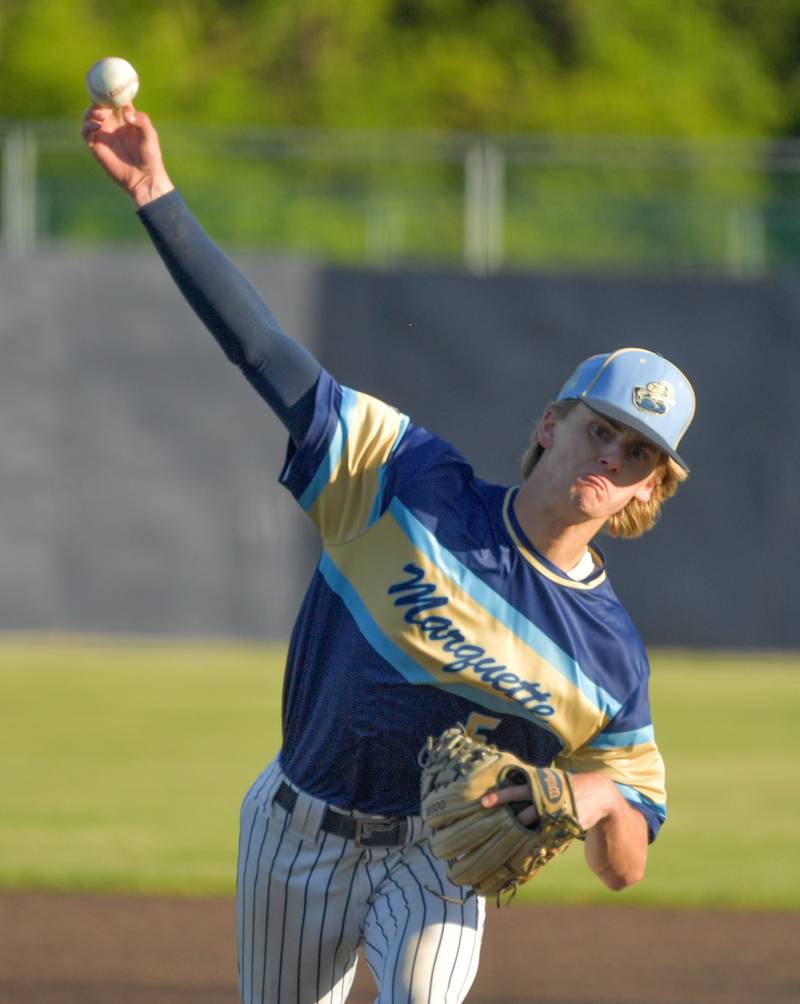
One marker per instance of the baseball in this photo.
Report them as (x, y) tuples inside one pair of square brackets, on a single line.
[(112, 81)]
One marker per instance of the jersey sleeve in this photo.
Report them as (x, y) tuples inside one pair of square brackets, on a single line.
[(339, 472), (626, 751)]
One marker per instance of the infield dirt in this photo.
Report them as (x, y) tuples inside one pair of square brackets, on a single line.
[(126, 950)]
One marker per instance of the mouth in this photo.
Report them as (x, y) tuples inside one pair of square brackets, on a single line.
[(594, 480)]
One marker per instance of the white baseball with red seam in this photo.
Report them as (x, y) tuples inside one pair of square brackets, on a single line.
[(112, 81)]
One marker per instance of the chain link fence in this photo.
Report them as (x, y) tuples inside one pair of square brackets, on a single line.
[(403, 199)]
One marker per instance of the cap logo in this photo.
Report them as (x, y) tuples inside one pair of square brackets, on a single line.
[(656, 397)]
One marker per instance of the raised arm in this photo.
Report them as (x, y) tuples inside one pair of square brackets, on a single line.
[(125, 143)]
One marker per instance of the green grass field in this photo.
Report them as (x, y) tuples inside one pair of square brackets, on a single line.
[(123, 765)]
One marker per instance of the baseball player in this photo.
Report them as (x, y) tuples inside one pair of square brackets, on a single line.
[(438, 599)]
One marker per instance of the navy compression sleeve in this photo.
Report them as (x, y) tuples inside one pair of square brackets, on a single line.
[(283, 372)]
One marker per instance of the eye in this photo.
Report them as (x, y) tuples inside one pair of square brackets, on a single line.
[(601, 431), (640, 453)]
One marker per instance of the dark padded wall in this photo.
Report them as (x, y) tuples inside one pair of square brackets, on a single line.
[(138, 467)]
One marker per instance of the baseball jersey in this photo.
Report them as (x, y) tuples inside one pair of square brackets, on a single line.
[(429, 606)]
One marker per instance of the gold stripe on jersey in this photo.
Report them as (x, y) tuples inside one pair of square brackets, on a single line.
[(347, 504), (430, 621), (640, 767)]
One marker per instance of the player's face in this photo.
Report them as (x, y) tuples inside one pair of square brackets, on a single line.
[(594, 464)]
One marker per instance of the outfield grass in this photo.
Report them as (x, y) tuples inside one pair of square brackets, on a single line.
[(124, 763)]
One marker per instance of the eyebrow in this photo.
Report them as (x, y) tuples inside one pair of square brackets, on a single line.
[(621, 427)]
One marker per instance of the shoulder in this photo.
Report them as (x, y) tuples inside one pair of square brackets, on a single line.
[(424, 451)]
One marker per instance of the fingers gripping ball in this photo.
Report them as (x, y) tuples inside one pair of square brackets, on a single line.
[(489, 849), (113, 82)]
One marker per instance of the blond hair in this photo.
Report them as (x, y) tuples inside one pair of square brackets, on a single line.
[(637, 517)]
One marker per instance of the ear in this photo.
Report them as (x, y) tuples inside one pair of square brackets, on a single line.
[(645, 492), (545, 430)]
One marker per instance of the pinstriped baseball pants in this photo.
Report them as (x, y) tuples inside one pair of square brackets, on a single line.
[(306, 900)]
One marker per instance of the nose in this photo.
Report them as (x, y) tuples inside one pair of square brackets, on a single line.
[(611, 458)]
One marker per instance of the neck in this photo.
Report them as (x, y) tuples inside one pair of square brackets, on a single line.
[(561, 537)]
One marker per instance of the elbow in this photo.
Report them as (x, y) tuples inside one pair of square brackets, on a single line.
[(616, 848), (617, 880)]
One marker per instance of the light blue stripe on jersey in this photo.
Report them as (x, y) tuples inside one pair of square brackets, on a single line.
[(616, 740), (633, 795), (333, 457), (503, 612), (397, 658), (377, 505)]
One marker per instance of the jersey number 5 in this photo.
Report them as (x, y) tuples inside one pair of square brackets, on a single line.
[(480, 726)]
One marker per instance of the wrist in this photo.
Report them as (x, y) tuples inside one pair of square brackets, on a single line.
[(596, 798), (149, 189), (612, 807)]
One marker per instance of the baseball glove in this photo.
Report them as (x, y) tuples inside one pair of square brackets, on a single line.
[(489, 849)]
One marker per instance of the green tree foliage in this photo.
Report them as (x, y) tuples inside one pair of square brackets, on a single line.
[(678, 67), (628, 68)]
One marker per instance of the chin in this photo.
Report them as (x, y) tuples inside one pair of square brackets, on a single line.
[(585, 501)]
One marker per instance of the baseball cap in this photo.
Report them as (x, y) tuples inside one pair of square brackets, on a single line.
[(639, 388)]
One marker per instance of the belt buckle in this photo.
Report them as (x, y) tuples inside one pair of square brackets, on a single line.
[(380, 832)]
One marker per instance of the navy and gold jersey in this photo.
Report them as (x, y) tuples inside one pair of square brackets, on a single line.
[(429, 606)]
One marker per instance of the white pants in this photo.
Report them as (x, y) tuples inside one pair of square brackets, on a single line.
[(306, 900)]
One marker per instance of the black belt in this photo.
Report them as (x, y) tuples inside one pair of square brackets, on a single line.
[(365, 832)]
